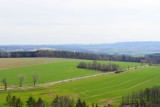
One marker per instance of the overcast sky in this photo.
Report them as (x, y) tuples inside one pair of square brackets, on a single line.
[(78, 21)]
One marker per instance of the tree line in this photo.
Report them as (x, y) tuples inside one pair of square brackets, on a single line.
[(150, 97), (58, 101), (151, 59), (35, 78), (98, 66), (70, 54)]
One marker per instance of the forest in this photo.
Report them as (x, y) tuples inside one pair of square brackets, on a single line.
[(151, 58), (69, 54)]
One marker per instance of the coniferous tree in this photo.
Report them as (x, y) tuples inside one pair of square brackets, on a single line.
[(8, 100), (13, 101), (40, 103), (62, 101), (19, 103), (30, 102), (81, 103)]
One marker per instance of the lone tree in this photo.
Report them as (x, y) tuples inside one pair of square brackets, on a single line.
[(35, 78), (4, 82), (21, 79)]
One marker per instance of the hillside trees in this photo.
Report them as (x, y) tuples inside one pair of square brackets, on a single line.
[(69, 54)]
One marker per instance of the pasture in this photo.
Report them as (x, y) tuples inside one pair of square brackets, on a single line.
[(48, 69), (104, 89), (98, 89)]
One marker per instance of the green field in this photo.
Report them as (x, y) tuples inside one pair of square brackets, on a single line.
[(103, 89), (56, 69)]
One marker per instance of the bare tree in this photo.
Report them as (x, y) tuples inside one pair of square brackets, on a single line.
[(4, 82), (21, 80), (35, 77)]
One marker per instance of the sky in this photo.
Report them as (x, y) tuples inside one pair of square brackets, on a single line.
[(78, 21)]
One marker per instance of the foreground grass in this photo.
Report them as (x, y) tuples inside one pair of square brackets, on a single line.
[(57, 69), (105, 89)]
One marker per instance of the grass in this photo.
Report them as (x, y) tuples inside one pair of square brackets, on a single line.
[(95, 89), (103, 89), (112, 86), (57, 69)]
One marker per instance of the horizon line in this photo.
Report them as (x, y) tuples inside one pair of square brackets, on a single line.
[(78, 43)]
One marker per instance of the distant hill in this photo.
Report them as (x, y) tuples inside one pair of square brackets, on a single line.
[(131, 48)]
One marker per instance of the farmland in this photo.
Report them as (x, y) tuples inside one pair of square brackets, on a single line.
[(8, 63), (98, 89), (49, 70)]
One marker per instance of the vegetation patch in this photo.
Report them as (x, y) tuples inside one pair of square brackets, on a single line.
[(150, 97), (58, 101), (98, 66)]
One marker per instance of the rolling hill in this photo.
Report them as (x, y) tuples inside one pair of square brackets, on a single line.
[(131, 48)]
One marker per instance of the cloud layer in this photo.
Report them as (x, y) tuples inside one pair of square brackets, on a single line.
[(78, 21)]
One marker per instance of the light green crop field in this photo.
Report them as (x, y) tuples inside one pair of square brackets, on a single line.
[(7, 63), (103, 89), (49, 70)]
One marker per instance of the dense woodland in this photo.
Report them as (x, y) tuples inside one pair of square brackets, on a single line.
[(69, 54), (152, 59), (150, 97), (98, 66)]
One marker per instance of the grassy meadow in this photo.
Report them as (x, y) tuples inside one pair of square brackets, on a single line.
[(103, 89), (48, 69)]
